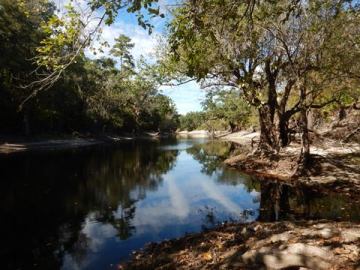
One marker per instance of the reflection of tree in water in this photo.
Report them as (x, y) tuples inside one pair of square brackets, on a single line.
[(209, 217), (280, 201), (211, 156), (121, 179), (45, 199)]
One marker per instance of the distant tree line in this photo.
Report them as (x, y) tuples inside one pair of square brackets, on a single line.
[(223, 109)]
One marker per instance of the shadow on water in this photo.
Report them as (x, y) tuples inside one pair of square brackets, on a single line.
[(91, 208)]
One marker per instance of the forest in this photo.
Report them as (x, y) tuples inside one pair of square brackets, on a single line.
[(276, 138), (91, 95)]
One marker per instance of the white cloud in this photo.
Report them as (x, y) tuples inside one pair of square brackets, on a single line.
[(180, 204), (98, 233), (175, 206), (145, 44)]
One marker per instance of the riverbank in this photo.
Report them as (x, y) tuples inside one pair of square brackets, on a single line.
[(277, 245), (332, 162), (11, 145), (201, 134), (10, 148)]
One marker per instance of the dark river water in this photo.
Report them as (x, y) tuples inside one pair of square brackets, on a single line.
[(90, 208)]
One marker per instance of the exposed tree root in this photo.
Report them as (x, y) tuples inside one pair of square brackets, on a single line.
[(329, 163)]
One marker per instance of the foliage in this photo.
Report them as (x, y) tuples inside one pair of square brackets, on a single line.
[(229, 106), (67, 35), (281, 56), (223, 109), (192, 121), (121, 50), (90, 95)]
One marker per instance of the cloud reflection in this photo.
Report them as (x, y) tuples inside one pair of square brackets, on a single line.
[(180, 205), (214, 192)]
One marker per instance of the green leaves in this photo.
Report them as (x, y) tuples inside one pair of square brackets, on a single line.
[(121, 50), (62, 41), (141, 8)]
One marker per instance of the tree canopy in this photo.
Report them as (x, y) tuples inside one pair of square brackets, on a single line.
[(96, 95), (282, 56)]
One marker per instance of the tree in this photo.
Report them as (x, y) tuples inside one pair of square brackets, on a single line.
[(227, 105), (121, 50), (192, 121), (89, 96), (267, 50), (20, 34), (68, 36)]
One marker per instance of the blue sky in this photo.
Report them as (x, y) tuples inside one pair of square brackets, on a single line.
[(187, 97)]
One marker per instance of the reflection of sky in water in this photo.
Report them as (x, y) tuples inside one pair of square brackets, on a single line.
[(179, 205)]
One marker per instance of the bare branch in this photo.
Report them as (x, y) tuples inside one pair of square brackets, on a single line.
[(180, 83)]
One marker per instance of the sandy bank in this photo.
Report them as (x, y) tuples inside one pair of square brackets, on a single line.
[(200, 134), (331, 161), (8, 148), (57, 144), (242, 137)]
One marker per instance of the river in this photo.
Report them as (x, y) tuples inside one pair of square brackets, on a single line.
[(91, 208)]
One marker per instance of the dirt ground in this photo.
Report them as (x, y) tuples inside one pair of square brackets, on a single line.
[(279, 245), (332, 162)]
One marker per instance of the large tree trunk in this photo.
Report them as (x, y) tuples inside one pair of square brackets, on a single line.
[(233, 127), (269, 142), (284, 131), (268, 135), (342, 113), (285, 115)]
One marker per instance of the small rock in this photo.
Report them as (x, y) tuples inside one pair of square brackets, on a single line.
[(326, 233), (280, 237), (257, 227), (350, 235)]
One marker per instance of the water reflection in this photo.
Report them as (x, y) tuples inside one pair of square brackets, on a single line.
[(46, 198), (89, 209), (280, 201)]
